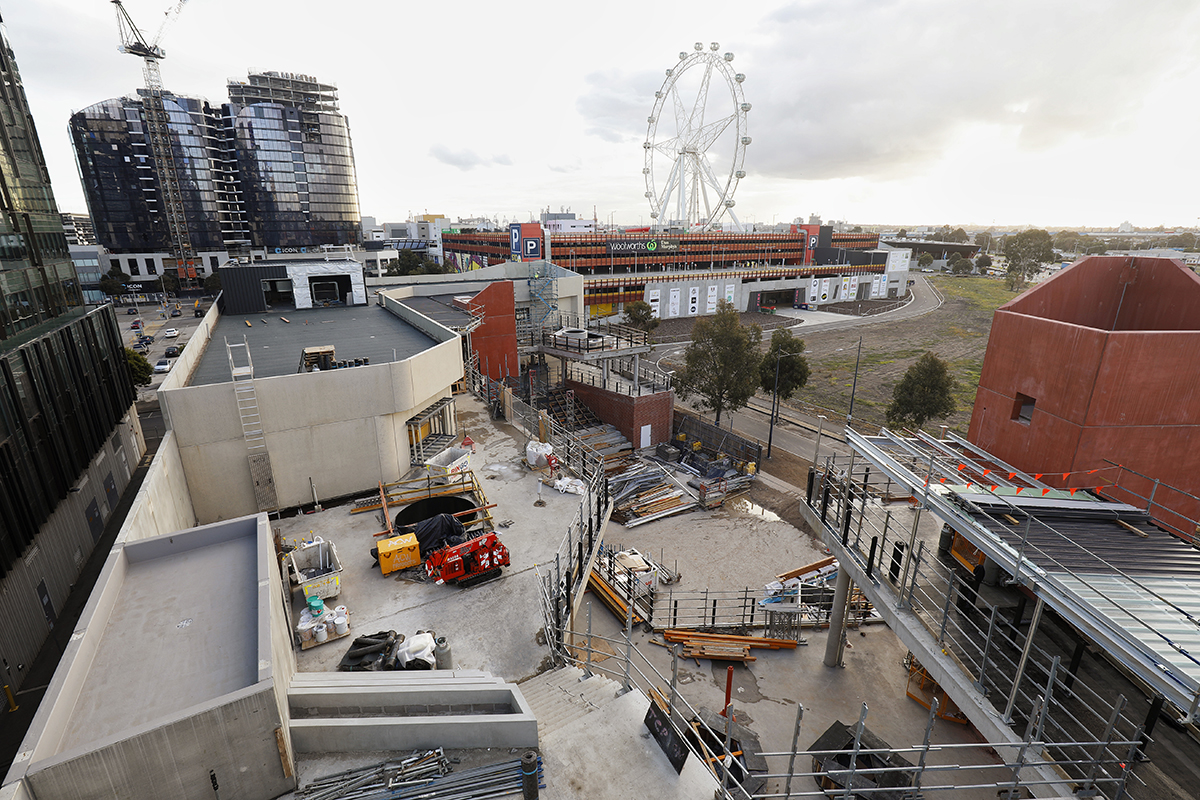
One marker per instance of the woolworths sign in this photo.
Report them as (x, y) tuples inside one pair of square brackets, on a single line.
[(640, 247)]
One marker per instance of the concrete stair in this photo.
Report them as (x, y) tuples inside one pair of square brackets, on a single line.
[(354, 711), (561, 696)]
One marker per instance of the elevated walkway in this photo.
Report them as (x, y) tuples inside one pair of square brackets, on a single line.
[(347, 712)]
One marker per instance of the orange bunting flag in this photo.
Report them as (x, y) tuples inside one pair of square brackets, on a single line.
[(986, 471), (1073, 491), (961, 467), (1045, 492), (1065, 474), (969, 484), (941, 480), (1091, 471), (1012, 475), (993, 487), (1038, 477), (1020, 489)]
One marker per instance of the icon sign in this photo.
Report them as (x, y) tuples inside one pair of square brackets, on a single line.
[(514, 239), (533, 248)]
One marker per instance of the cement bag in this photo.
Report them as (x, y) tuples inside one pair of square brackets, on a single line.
[(572, 485), (536, 452)]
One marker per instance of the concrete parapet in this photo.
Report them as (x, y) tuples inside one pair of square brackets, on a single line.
[(398, 711)]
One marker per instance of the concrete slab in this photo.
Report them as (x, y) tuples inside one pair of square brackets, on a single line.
[(496, 627), (631, 764), (277, 346)]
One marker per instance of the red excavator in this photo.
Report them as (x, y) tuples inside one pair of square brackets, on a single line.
[(470, 563)]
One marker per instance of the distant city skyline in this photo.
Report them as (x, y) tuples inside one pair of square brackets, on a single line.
[(1001, 115)]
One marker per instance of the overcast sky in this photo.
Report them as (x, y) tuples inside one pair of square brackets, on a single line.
[(1051, 113)]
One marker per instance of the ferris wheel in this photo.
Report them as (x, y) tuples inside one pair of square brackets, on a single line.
[(696, 141)]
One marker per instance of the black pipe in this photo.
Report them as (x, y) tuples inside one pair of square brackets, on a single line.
[(812, 482), (529, 776), (871, 555), (1076, 657), (1156, 707)]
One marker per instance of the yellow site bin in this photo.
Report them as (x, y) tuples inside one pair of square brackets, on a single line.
[(399, 552)]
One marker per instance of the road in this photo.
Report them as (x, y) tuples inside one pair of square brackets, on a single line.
[(796, 432), (155, 322)]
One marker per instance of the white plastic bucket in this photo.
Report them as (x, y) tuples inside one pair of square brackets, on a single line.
[(340, 624), (322, 633), (305, 629)]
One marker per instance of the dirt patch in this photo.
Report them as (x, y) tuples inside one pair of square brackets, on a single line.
[(680, 328)]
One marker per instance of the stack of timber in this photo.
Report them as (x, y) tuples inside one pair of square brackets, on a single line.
[(644, 492), (606, 441), (722, 647), (613, 599)]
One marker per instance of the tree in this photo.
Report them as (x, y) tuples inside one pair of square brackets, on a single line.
[(960, 264), (958, 235), (139, 368), (926, 391), (721, 363), (113, 282), (983, 262), (1026, 252), (640, 315), (793, 371), (984, 240), (856, 229), (903, 234), (925, 260), (410, 262), (212, 284), (170, 281)]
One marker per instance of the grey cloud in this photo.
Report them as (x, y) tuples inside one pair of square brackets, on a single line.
[(879, 89), (466, 159)]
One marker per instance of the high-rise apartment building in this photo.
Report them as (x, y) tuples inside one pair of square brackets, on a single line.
[(68, 431), (273, 167)]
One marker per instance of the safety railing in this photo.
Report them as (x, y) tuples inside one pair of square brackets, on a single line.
[(1018, 670)]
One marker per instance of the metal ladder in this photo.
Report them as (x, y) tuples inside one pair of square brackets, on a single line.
[(252, 429)]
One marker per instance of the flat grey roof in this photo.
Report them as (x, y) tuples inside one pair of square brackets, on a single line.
[(440, 309), (183, 631), (276, 346)]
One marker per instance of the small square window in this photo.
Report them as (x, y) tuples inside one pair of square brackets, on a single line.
[(1023, 408)]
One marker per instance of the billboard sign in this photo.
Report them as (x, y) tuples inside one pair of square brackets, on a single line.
[(673, 307), (711, 306), (824, 289), (729, 290), (694, 300), (652, 297), (898, 260), (640, 247), (514, 239)]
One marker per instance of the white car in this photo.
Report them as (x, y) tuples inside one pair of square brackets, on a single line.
[(171, 333), (163, 365)]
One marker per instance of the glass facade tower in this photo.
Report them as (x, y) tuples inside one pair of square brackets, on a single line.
[(273, 167), (296, 161), (64, 382)]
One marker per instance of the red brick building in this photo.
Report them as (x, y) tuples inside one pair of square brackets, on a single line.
[(1100, 364)]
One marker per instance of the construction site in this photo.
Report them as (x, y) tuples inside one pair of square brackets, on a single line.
[(499, 562)]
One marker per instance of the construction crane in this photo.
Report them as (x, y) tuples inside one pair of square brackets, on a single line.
[(158, 132)]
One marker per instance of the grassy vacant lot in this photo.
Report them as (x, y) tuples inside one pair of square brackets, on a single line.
[(957, 332)]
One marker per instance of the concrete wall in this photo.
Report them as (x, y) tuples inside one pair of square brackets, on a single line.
[(163, 503), (62, 547), (344, 429), (185, 365), (235, 737), (629, 414)]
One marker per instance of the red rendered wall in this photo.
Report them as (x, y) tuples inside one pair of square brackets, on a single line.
[(629, 414), (496, 338), (1130, 396)]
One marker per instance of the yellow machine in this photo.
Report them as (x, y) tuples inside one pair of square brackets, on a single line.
[(399, 552)]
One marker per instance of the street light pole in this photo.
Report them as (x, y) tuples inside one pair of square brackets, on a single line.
[(820, 428), (775, 400)]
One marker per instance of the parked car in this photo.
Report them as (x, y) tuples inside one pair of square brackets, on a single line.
[(170, 333), (137, 323), (175, 312), (146, 340), (163, 365), (131, 311), (173, 351)]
